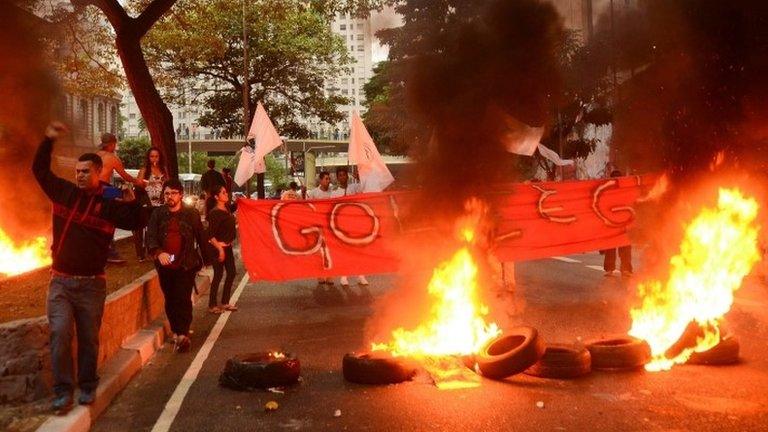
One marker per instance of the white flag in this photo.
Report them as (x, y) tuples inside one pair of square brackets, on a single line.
[(554, 157), (374, 174), (266, 137), (245, 166)]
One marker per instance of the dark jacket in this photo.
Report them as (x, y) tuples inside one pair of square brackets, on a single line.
[(91, 220), (192, 235)]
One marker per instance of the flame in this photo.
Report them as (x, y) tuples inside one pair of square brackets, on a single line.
[(719, 248), (456, 325), (277, 355), (17, 258)]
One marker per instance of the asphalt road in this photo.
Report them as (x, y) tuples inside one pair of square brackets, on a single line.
[(564, 300)]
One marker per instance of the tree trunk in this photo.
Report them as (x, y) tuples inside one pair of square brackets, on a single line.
[(155, 113)]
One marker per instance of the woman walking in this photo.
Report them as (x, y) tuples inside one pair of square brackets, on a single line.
[(152, 176), (221, 230)]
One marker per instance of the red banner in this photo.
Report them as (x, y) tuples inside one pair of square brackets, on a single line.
[(283, 240)]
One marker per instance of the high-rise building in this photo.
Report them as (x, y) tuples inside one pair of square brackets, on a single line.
[(359, 40)]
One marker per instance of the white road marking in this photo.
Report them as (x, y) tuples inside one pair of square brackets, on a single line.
[(594, 267), (171, 409), (564, 259)]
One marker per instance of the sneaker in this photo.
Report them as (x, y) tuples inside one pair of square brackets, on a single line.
[(183, 344), (62, 404), (86, 397), (216, 310), (626, 273), (608, 273), (229, 307)]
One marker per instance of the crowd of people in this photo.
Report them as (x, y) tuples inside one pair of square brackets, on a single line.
[(179, 239)]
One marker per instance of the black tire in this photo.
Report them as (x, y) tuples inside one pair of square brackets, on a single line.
[(724, 353), (377, 368), (511, 353), (260, 370), (621, 353), (562, 361)]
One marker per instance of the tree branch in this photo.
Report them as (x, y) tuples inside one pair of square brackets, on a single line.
[(113, 10), (151, 14)]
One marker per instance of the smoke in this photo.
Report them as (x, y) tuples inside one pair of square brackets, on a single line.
[(502, 64), (27, 94), (703, 91), (384, 19)]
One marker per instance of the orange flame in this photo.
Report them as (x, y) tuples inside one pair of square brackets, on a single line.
[(456, 324), (17, 258), (719, 248)]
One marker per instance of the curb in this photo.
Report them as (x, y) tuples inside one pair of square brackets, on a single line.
[(133, 355)]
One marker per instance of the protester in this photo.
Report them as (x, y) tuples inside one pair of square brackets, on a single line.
[(344, 188), (228, 180), (323, 189), (292, 193), (154, 174), (174, 237), (83, 225), (625, 253), (111, 164), (221, 230), (211, 178)]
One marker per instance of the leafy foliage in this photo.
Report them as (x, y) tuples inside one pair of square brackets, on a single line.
[(132, 151), (197, 55)]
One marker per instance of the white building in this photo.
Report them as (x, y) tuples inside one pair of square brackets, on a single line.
[(185, 120), (359, 40)]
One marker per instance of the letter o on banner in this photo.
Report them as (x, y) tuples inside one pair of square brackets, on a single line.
[(344, 236)]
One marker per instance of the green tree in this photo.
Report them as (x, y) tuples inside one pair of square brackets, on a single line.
[(276, 173), (197, 53), (132, 152)]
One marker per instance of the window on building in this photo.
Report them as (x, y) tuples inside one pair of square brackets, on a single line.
[(342, 26), (344, 81), (102, 117), (351, 37), (353, 80), (360, 48), (83, 114), (345, 92), (113, 119), (360, 36), (352, 26), (132, 116)]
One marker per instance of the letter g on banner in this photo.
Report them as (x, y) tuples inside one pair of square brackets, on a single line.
[(319, 245)]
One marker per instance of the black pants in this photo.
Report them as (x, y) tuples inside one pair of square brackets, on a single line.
[(625, 254), (138, 243), (218, 273), (177, 286)]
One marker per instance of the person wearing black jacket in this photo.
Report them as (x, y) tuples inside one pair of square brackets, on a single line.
[(83, 225), (174, 237), (211, 179), (222, 232)]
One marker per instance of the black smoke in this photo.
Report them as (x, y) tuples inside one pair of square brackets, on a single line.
[(28, 95)]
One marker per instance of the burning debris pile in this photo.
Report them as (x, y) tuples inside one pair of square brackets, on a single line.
[(719, 248)]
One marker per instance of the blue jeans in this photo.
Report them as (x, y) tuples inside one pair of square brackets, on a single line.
[(75, 302)]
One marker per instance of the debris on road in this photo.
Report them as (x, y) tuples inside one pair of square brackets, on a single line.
[(337, 413), (271, 406), (540, 404)]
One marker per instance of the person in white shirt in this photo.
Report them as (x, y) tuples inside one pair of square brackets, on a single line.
[(323, 189), (345, 188), (326, 292)]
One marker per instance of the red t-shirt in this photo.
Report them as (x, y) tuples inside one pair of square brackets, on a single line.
[(172, 244)]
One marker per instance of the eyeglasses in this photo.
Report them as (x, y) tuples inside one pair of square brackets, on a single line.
[(171, 193)]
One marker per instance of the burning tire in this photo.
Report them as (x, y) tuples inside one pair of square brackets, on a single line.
[(260, 370), (377, 368), (619, 353), (513, 352), (724, 353), (562, 361)]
